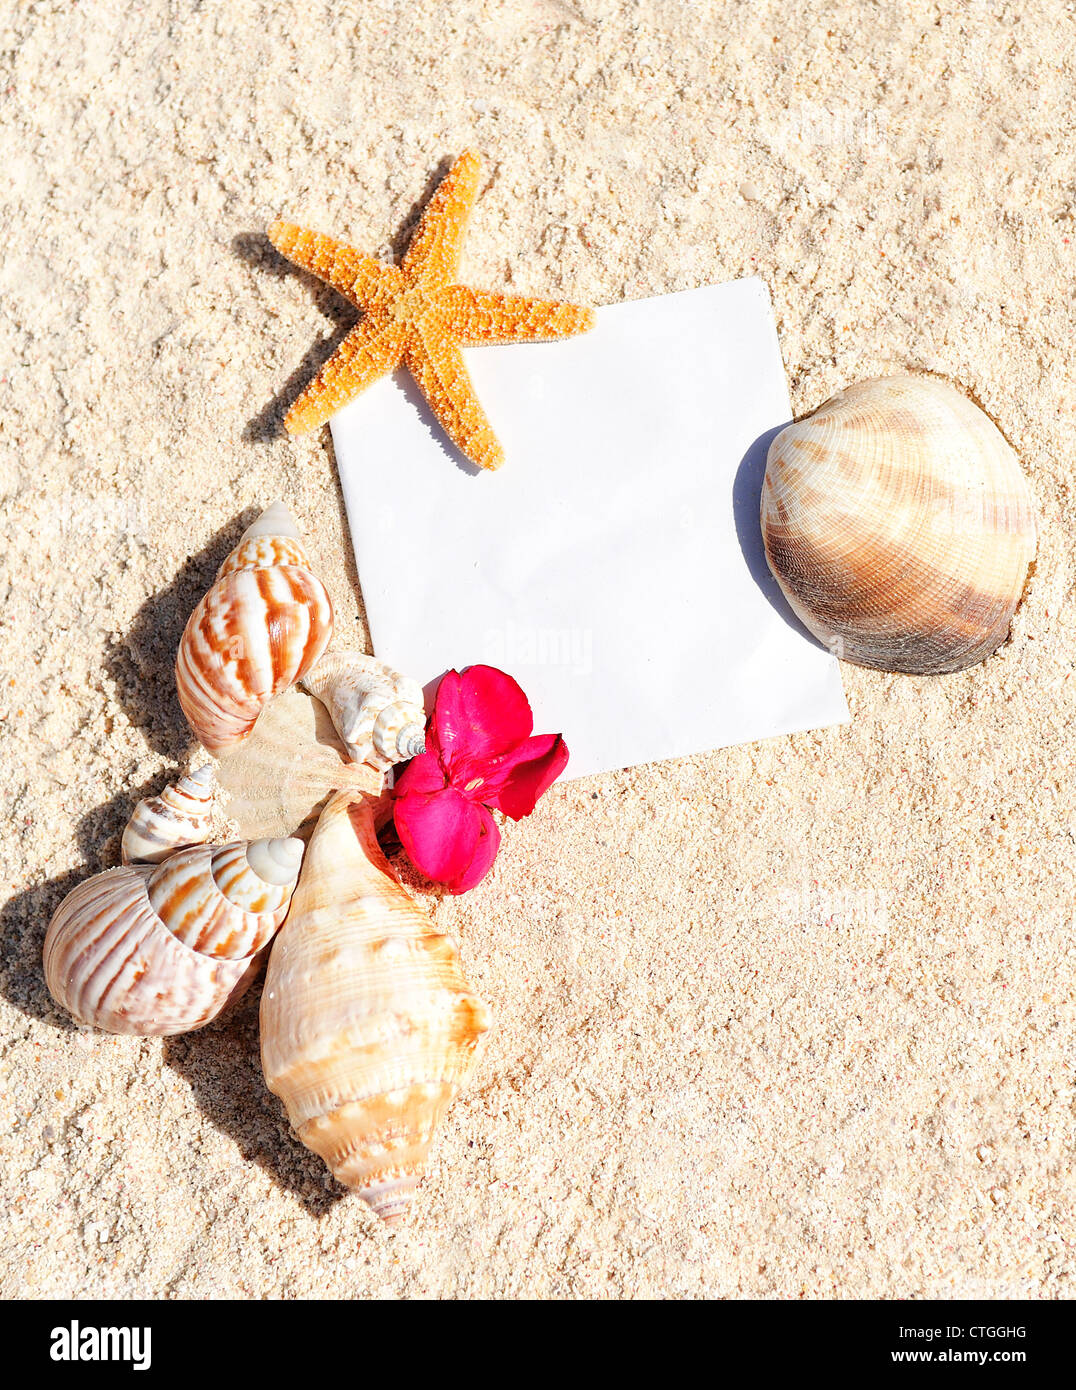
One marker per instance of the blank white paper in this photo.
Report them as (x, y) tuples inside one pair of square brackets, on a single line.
[(614, 564)]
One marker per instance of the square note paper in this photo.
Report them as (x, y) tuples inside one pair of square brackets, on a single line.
[(614, 564)]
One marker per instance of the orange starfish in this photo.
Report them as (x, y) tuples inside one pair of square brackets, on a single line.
[(416, 313)]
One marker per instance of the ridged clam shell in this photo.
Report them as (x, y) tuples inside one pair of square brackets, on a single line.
[(368, 1025), (377, 712), (899, 526), (118, 953), (264, 623), (178, 817), (279, 779)]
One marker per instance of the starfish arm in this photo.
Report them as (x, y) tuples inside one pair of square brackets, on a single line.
[(437, 364), (434, 253), (475, 317), (369, 351), (365, 282)]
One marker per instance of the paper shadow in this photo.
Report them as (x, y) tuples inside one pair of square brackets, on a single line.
[(746, 500)]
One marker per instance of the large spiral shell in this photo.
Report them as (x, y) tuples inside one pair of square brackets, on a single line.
[(899, 525), (369, 1027), (178, 817), (160, 950), (264, 623), (377, 712)]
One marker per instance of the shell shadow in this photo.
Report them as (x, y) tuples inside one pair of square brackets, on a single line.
[(25, 916), (221, 1065), (746, 502), (141, 665)]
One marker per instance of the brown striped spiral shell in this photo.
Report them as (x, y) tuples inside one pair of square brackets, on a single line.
[(178, 817), (161, 949), (899, 526), (265, 621)]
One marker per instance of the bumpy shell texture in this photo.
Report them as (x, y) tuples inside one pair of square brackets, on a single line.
[(899, 526), (264, 623), (377, 712), (368, 1025), (180, 816), (278, 780), (161, 950)]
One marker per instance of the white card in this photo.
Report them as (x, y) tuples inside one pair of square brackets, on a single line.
[(613, 565)]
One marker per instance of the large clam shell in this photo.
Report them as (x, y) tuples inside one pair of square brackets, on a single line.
[(899, 526)]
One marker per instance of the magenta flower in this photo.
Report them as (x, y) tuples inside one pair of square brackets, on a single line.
[(480, 753)]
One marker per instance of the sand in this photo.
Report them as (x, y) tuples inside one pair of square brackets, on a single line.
[(790, 1020)]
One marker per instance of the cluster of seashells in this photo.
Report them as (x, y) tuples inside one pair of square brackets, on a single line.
[(368, 1025), (897, 523)]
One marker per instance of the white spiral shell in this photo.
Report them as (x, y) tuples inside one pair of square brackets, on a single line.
[(156, 950), (377, 712), (178, 817), (265, 621)]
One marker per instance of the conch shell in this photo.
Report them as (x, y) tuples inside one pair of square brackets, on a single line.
[(377, 712), (264, 623), (280, 777), (179, 817), (368, 1025), (899, 526), (156, 950)]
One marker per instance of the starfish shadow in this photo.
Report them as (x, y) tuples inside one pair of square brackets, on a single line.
[(433, 426), (402, 239), (257, 251), (746, 501)]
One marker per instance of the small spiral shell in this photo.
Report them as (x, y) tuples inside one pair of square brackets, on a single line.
[(157, 950), (265, 621), (178, 817), (377, 712)]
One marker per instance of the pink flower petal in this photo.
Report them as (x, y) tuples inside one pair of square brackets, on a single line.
[(480, 714), (514, 783), (440, 832), (489, 841), (422, 774)]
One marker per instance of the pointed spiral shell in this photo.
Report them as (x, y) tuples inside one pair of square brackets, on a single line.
[(899, 526), (377, 712), (265, 621), (368, 1025), (178, 817), (156, 950)]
